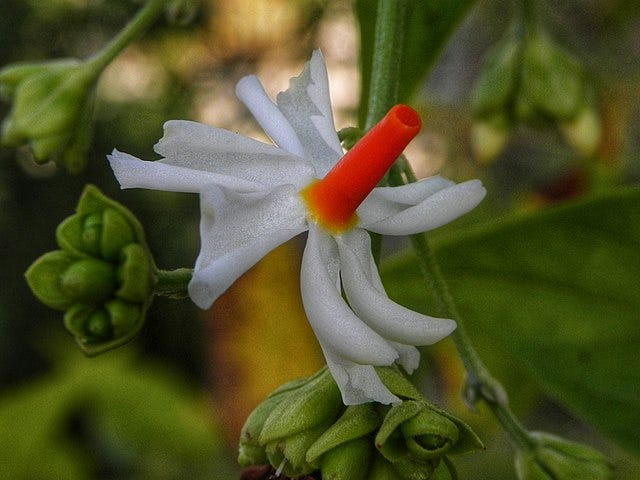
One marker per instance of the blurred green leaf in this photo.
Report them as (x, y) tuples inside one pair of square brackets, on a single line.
[(557, 289), (136, 418), (429, 25)]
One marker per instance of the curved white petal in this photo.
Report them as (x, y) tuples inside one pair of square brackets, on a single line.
[(237, 230), (208, 149), (357, 383), (307, 106), (409, 356), (250, 91), (132, 172), (335, 325), (361, 283), (383, 202), (433, 211)]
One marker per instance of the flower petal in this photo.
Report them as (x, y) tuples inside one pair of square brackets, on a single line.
[(132, 172), (357, 383), (361, 283), (251, 92), (434, 210), (307, 106), (237, 230), (208, 149), (333, 322)]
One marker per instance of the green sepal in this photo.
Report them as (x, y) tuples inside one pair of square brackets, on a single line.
[(12, 75), (47, 103), (44, 279), (251, 452), (135, 274), (397, 383), (356, 422), (421, 432), (99, 329), (553, 83), (350, 461), (305, 407), (552, 457), (294, 449), (382, 469), (100, 227), (498, 81)]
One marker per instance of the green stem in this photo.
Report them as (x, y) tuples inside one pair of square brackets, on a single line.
[(388, 45), (481, 385), (173, 283), (134, 29)]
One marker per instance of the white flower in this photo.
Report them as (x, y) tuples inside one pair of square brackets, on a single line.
[(255, 196)]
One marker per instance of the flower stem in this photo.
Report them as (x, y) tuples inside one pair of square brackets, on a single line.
[(173, 283), (388, 45), (480, 384), (135, 28)]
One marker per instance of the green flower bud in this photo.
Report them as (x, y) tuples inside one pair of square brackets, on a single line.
[(553, 85), (349, 461), (304, 413), (101, 227), (103, 277), (415, 435), (89, 281), (52, 101), (344, 450), (44, 275), (497, 84), (555, 458), (98, 329), (251, 451)]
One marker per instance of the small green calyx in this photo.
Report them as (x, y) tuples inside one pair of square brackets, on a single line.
[(103, 276), (552, 457), (304, 427), (52, 103), (529, 79)]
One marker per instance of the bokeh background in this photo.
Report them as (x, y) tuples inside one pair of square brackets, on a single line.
[(170, 404)]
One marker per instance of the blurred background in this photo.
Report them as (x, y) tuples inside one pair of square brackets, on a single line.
[(170, 404)]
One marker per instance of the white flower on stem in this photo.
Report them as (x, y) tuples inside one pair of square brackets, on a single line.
[(255, 196)]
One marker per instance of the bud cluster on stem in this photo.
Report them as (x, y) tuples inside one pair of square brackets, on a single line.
[(303, 427), (102, 277)]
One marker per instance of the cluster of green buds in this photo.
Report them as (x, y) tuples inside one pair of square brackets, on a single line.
[(554, 458), (528, 79), (102, 277), (303, 428), (52, 110)]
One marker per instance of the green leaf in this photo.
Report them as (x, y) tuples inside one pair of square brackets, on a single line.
[(430, 24), (557, 290)]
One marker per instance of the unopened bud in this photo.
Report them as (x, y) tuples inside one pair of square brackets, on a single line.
[(103, 276), (554, 458), (51, 103)]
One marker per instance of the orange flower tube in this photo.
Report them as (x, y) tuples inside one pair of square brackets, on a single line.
[(334, 199)]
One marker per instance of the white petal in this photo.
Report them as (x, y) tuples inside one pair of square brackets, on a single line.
[(409, 356), (250, 91), (333, 322), (208, 149), (307, 106), (237, 230), (361, 283), (435, 210), (132, 172), (357, 383)]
